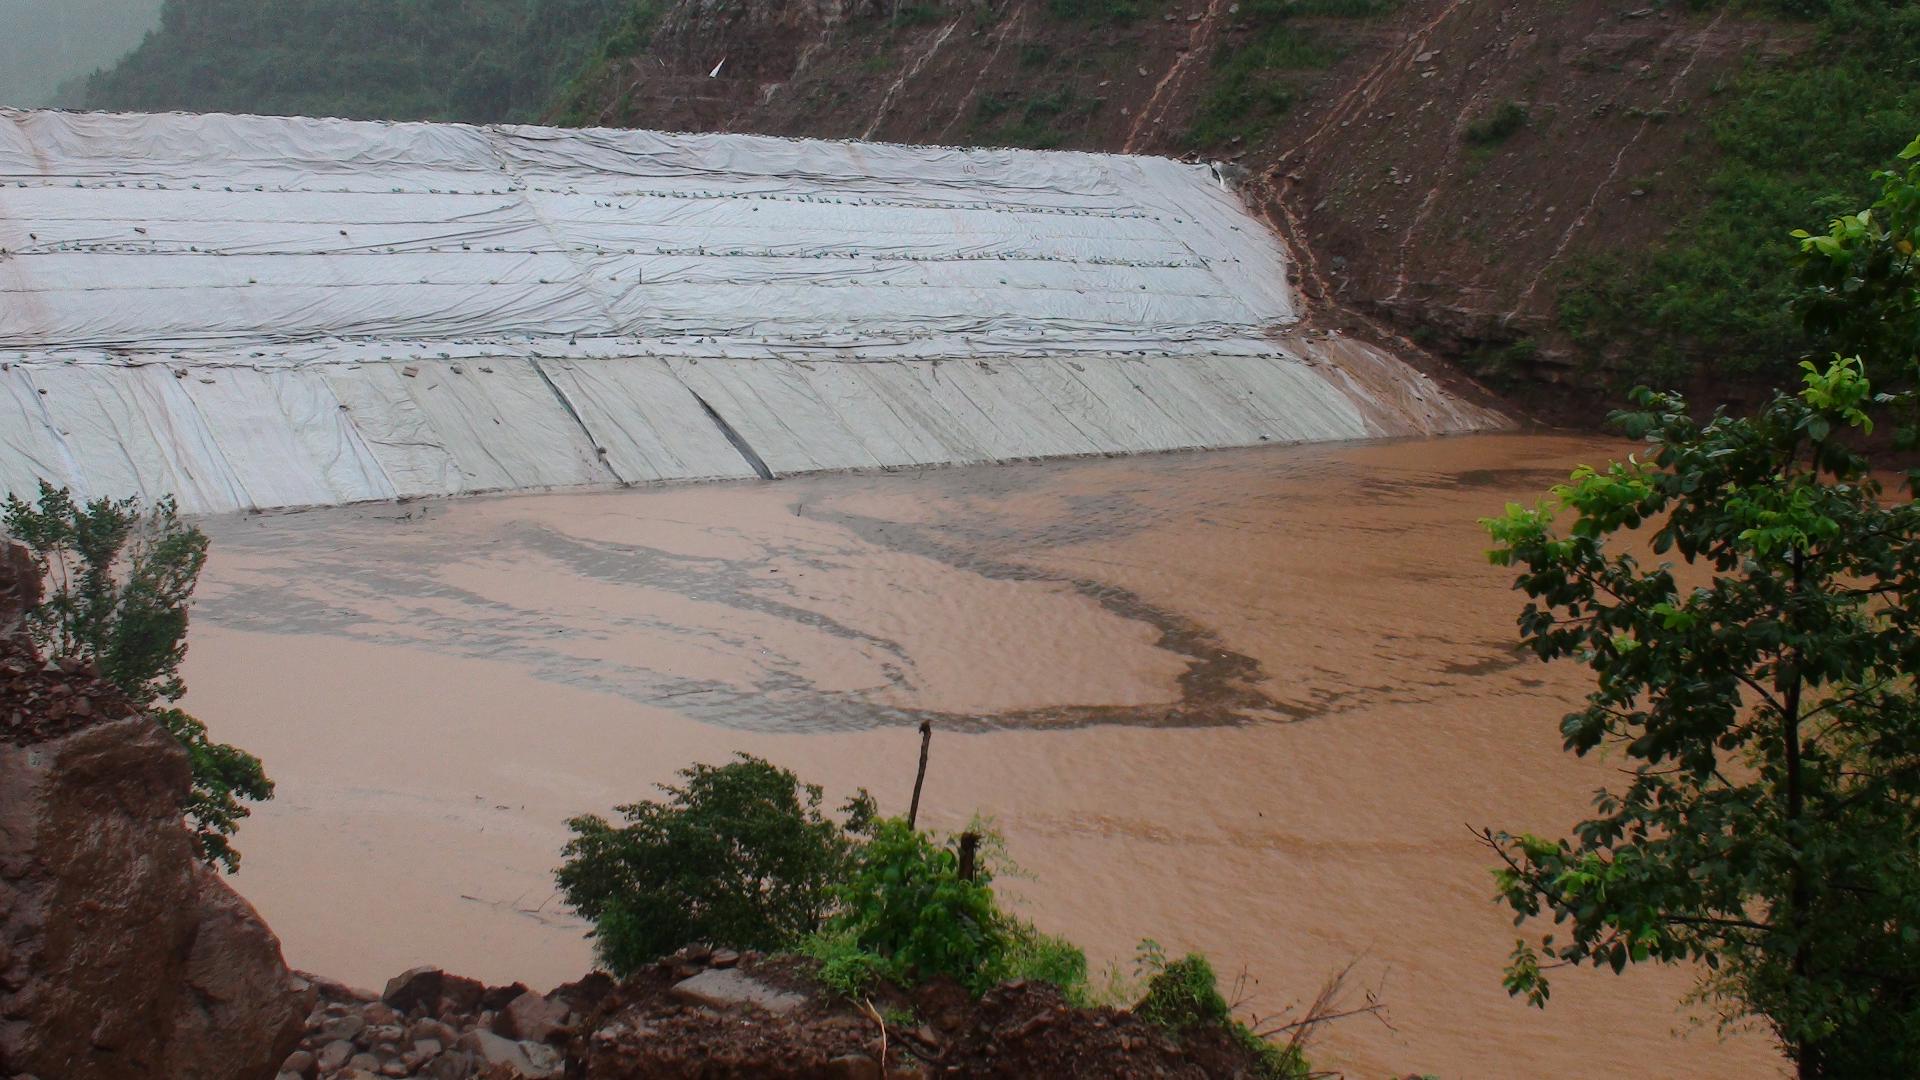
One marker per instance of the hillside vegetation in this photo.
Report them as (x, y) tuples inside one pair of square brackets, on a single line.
[(1782, 145), (46, 43), (479, 61)]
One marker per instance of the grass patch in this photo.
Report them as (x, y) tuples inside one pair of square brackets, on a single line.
[(1110, 12), (1039, 122), (1255, 81), (915, 15)]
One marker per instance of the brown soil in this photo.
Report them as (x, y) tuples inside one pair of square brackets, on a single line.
[(43, 699)]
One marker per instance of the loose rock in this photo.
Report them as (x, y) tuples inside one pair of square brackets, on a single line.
[(333, 1056), (531, 1016), (728, 988)]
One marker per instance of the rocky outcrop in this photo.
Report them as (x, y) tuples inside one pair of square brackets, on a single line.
[(121, 953)]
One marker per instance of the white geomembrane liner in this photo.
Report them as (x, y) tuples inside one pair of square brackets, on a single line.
[(252, 312)]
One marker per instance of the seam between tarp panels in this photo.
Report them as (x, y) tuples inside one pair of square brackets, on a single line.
[(733, 437), (600, 454)]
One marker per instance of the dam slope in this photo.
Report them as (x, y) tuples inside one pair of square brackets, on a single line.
[(261, 312)]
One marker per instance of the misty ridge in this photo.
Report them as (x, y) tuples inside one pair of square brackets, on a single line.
[(482, 62), (485, 61), (49, 47)]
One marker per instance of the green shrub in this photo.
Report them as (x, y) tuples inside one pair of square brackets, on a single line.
[(905, 915), (578, 102), (1099, 11), (915, 15), (845, 967), (1037, 957), (633, 32), (120, 577), (1183, 996), (1501, 364), (740, 856), (1497, 126), (906, 903)]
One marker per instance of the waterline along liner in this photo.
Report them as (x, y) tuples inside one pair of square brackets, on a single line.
[(253, 312)]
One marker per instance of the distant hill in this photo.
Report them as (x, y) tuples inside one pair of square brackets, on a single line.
[(473, 60), (46, 43)]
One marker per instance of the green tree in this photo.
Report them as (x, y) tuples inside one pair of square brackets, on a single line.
[(741, 855), (1762, 694), (119, 582)]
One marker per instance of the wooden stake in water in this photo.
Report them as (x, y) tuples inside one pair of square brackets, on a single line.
[(969, 850), (919, 778)]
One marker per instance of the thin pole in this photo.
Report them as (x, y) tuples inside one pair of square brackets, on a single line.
[(919, 778)]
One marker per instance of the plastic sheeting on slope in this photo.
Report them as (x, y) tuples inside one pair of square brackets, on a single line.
[(254, 312)]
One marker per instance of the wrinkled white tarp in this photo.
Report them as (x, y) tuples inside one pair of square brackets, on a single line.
[(261, 312)]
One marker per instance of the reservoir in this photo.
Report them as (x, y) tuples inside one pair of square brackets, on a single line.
[(1249, 701)]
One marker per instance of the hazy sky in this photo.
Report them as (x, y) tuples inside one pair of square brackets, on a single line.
[(43, 43)]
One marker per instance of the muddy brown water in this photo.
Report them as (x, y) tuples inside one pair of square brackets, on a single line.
[(1247, 702)]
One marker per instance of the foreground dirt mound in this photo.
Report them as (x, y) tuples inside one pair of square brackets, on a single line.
[(718, 1015), (121, 954)]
